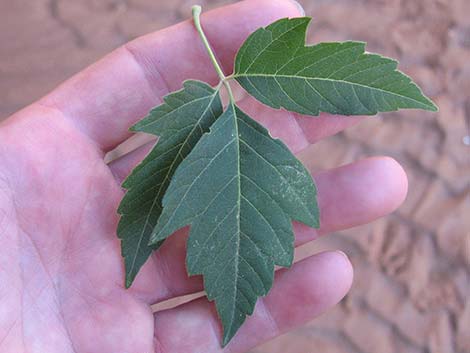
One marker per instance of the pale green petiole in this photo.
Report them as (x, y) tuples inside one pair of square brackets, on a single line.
[(196, 9)]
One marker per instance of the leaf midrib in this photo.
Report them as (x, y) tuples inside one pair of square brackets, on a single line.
[(306, 78), (237, 139)]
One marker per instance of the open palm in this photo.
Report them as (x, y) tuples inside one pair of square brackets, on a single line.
[(61, 273)]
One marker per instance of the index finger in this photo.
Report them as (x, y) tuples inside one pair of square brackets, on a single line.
[(109, 96)]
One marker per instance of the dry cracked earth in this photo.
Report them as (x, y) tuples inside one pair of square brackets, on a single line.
[(412, 268)]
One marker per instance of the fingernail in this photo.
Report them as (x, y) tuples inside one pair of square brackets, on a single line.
[(343, 255), (300, 7)]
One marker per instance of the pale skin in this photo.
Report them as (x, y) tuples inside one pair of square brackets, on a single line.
[(61, 273)]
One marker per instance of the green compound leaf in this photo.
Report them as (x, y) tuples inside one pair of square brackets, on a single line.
[(276, 67), (239, 189), (179, 122)]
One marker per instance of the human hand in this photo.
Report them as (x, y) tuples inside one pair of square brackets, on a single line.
[(61, 273)]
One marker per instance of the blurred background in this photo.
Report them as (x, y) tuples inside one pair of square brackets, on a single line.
[(411, 287)]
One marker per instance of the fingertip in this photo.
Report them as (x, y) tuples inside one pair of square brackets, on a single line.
[(393, 178), (290, 8), (299, 7), (359, 192), (337, 279), (346, 270), (318, 282), (402, 180)]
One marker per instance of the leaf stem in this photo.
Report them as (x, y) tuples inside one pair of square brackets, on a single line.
[(197, 22), (229, 90), (196, 9)]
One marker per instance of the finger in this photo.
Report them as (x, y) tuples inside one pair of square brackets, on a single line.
[(356, 194), (108, 97), (299, 294), (348, 196)]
